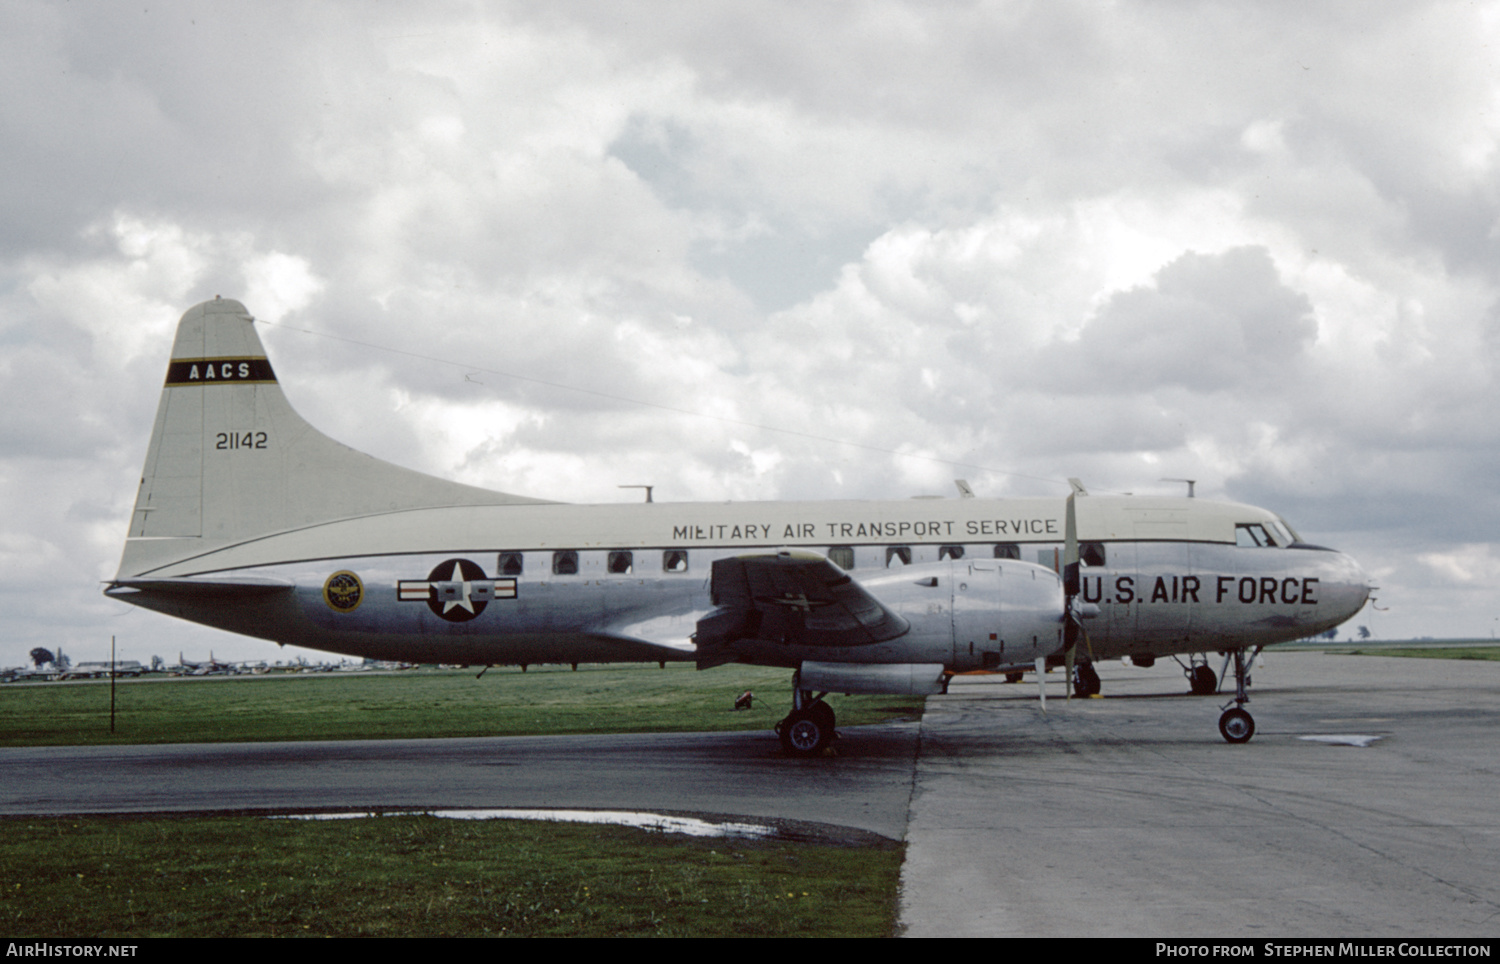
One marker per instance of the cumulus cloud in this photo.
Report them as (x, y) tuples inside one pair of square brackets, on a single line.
[(1468, 563), (1209, 323), (770, 251)]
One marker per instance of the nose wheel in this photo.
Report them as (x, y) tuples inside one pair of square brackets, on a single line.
[(1237, 725)]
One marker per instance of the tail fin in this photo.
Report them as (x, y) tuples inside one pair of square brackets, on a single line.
[(231, 460)]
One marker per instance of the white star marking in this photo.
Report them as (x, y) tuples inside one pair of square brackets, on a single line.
[(465, 602)]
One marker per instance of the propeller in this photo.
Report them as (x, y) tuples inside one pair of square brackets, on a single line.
[(1071, 623)]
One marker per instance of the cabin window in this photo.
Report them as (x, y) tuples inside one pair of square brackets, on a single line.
[(1251, 535), (1091, 553), (950, 552), (565, 563), (1007, 550), (901, 555), (674, 560), (621, 563), (510, 564), (842, 556)]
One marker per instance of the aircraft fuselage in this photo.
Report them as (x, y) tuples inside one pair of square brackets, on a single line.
[(564, 583), (251, 520)]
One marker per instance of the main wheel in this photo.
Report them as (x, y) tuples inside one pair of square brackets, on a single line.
[(1086, 681), (807, 732), (1237, 726), (1203, 681), (823, 713)]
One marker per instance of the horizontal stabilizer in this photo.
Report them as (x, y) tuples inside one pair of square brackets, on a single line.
[(237, 586)]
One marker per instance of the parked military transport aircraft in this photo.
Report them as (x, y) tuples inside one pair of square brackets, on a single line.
[(186, 667), (250, 520)]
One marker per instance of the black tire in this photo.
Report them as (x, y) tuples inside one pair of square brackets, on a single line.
[(806, 732), (1203, 681), (1086, 681), (1014, 677), (823, 713), (1236, 726)]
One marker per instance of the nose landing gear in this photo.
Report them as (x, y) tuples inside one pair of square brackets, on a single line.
[(1236, 725)]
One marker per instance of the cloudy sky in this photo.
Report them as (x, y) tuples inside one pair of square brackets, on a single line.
[(556, 248)]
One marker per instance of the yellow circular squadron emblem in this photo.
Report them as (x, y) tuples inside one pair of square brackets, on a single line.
[(343, 592)]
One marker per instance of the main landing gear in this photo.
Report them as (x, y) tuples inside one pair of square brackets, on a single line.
[(1236, 725), (808, 728), (1086, 680), (1200, 677)]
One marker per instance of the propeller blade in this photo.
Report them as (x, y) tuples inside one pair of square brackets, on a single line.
[(1070, 585), (1070, 550)]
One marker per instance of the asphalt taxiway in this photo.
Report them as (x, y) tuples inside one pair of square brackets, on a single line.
[(1367, 805), (711, 773)]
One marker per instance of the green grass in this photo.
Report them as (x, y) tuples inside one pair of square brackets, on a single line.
[(1374, 647), (411, 876), (424, 876), (1433, 652), (505, 702)]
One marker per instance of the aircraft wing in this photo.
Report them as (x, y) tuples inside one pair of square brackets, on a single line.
[(797, 598), (667, 637)]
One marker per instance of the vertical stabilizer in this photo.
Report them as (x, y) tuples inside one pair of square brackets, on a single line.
[(231, 460)]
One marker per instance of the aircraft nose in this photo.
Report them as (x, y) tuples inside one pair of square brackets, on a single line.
[(1347, 586)]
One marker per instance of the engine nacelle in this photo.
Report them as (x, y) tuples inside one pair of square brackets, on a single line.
[(979, 614)]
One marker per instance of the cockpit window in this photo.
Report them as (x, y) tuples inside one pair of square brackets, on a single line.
[(1252, 535), (1285, 535)]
